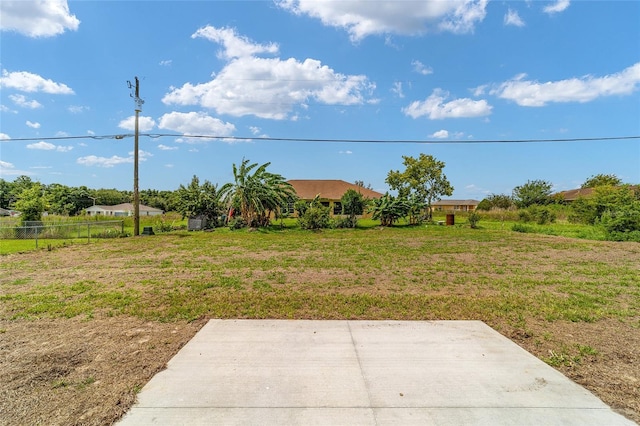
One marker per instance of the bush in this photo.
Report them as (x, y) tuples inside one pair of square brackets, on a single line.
[(540, 215), (517, 227), (625, 220), (473, 219), (237, 223), (315, 217), (345, 222)]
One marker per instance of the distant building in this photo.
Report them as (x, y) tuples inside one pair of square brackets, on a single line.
[(455, 205), (124, 209), (573, 194), (329, 192)]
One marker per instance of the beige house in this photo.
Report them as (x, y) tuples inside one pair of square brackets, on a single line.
[(124, 209), (455, 205), (329, 191)]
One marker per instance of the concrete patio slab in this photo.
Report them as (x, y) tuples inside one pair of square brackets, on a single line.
[(361, 373)]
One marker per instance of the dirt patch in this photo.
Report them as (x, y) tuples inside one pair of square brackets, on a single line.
[(603, 357), (81, 372)]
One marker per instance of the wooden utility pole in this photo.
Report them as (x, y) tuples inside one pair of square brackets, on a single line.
[(136, 192)]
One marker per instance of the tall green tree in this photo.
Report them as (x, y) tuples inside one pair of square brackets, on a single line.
[(201, 200), (602, 180), (423, 178), (255, 192), (496, 201), (353, 204), (5, 193), (110, 197), (534, 192), (31, 203)]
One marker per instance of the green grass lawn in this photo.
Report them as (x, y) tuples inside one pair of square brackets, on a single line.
[(573, 302), (402, 273)]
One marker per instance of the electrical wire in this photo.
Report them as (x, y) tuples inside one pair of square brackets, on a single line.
[(329, 140)]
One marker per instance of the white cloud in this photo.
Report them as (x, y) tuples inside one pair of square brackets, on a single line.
[(557, 7), (512, 18), (169, 166), (440, 134), (4, 136), (435, 108), (33, 125), (92, 160), (91, 132), (5, 108), (23, 102), (196, 123), (144, 123), (162, 147), (8, 169), (345, 152), (362, 18), (397, 89), (270, 87), (77, 109), (421, 68), (29, 82), (142, 155), (254, 130), (166, 62), (40, 18), (46, 146), (584, 89), (235, 45)]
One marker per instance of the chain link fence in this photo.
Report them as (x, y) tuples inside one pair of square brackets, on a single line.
[(39, 231)]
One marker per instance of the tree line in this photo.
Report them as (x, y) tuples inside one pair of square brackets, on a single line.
[(609, 203), (255, 196)]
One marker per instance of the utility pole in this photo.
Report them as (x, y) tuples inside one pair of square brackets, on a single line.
[(136, 192)]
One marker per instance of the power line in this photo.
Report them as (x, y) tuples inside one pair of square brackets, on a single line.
[(330, 140)]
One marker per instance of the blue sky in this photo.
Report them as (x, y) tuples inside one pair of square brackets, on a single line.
[(442, 71)]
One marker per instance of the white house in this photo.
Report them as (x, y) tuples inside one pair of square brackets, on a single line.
[(124, 209)]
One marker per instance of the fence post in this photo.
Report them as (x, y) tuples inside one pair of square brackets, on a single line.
[(122, 227), (88, 233), (36, 228)]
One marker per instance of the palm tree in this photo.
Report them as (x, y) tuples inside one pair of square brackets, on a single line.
[(257, 194), (389, 209)]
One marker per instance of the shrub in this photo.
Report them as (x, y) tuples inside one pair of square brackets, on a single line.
[(473, 219), (345, 222), (315, 217), (237, 223), (622, 224), (518, 227), (540, 215)]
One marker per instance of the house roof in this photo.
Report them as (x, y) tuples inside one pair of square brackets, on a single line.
[(124, 207), (456, 203), (574, 194), (328, 189)]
